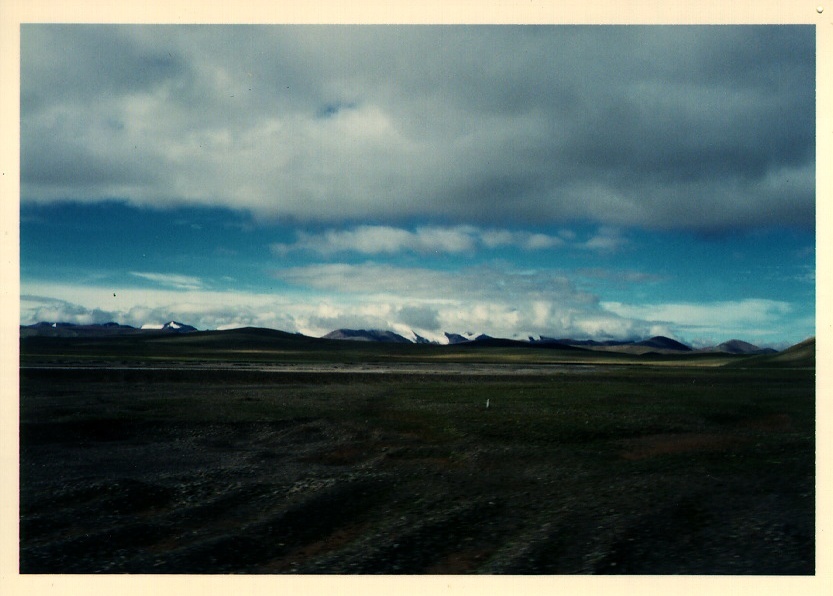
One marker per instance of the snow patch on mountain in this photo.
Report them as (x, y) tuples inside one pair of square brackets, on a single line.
[(169, 326)]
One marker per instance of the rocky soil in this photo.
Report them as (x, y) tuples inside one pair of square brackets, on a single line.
[(356, 476)]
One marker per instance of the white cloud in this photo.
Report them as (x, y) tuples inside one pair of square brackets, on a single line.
[(490, 282), (605, 325), (485, 299), (607, 239), (375, 240), (173, 280), (749, 317), (53, 310), (541, 241), (333, 296), (494, 238)]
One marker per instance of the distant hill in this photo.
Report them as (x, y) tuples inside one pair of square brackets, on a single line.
[(801, 355), (456, 338), (170, 326), (121, 341), (379, 335), (663, 343), (590, 343), (241, 338), (494, 342), (60, 329), (736, 346), (742, 353), (659, 344)]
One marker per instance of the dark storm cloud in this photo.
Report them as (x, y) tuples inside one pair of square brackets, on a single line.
[(672, 127), (421, 317), (68, 64)]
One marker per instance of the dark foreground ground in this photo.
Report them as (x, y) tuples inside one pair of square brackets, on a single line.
[(579, 470)]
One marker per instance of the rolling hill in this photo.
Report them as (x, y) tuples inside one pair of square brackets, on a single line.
[(801, 355), (379, 335), (736, 346)]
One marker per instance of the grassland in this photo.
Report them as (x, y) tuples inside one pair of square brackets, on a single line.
[(279, 458)]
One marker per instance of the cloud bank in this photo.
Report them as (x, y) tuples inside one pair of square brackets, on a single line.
[(390, 240), (502, 302), (704, 128)]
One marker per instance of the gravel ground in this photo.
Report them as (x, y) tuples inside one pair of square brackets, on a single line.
[(155, 477)]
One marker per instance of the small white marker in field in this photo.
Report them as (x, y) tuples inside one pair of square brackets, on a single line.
[(487, 404)]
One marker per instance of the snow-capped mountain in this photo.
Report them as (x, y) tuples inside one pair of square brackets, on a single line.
[(170, 326), (456, 338), (63, 329), (404, 335)]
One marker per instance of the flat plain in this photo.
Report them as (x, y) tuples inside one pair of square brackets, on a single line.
[(272, 456)]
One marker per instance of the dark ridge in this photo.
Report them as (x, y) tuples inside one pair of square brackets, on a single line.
[(61, 329), (736, 346), (456, 338), (495, 342), (801, 355), (98, 329), (498, 342), (664, 343), (586, 342), (379, 335)]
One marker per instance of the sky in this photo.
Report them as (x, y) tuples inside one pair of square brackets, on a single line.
[(606, 182)]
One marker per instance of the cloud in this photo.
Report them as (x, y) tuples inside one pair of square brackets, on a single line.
[(607, 239), (484, 299), (749, 317), (54, 310), (420, 316), (621, 275), (488, 299), (540, 241), (375, 240), (473, 283), (327, 296), (138, 306), (705, 128), (179, 282)]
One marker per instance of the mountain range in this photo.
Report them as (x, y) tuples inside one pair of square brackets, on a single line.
[(45, 329), (659, 344)]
